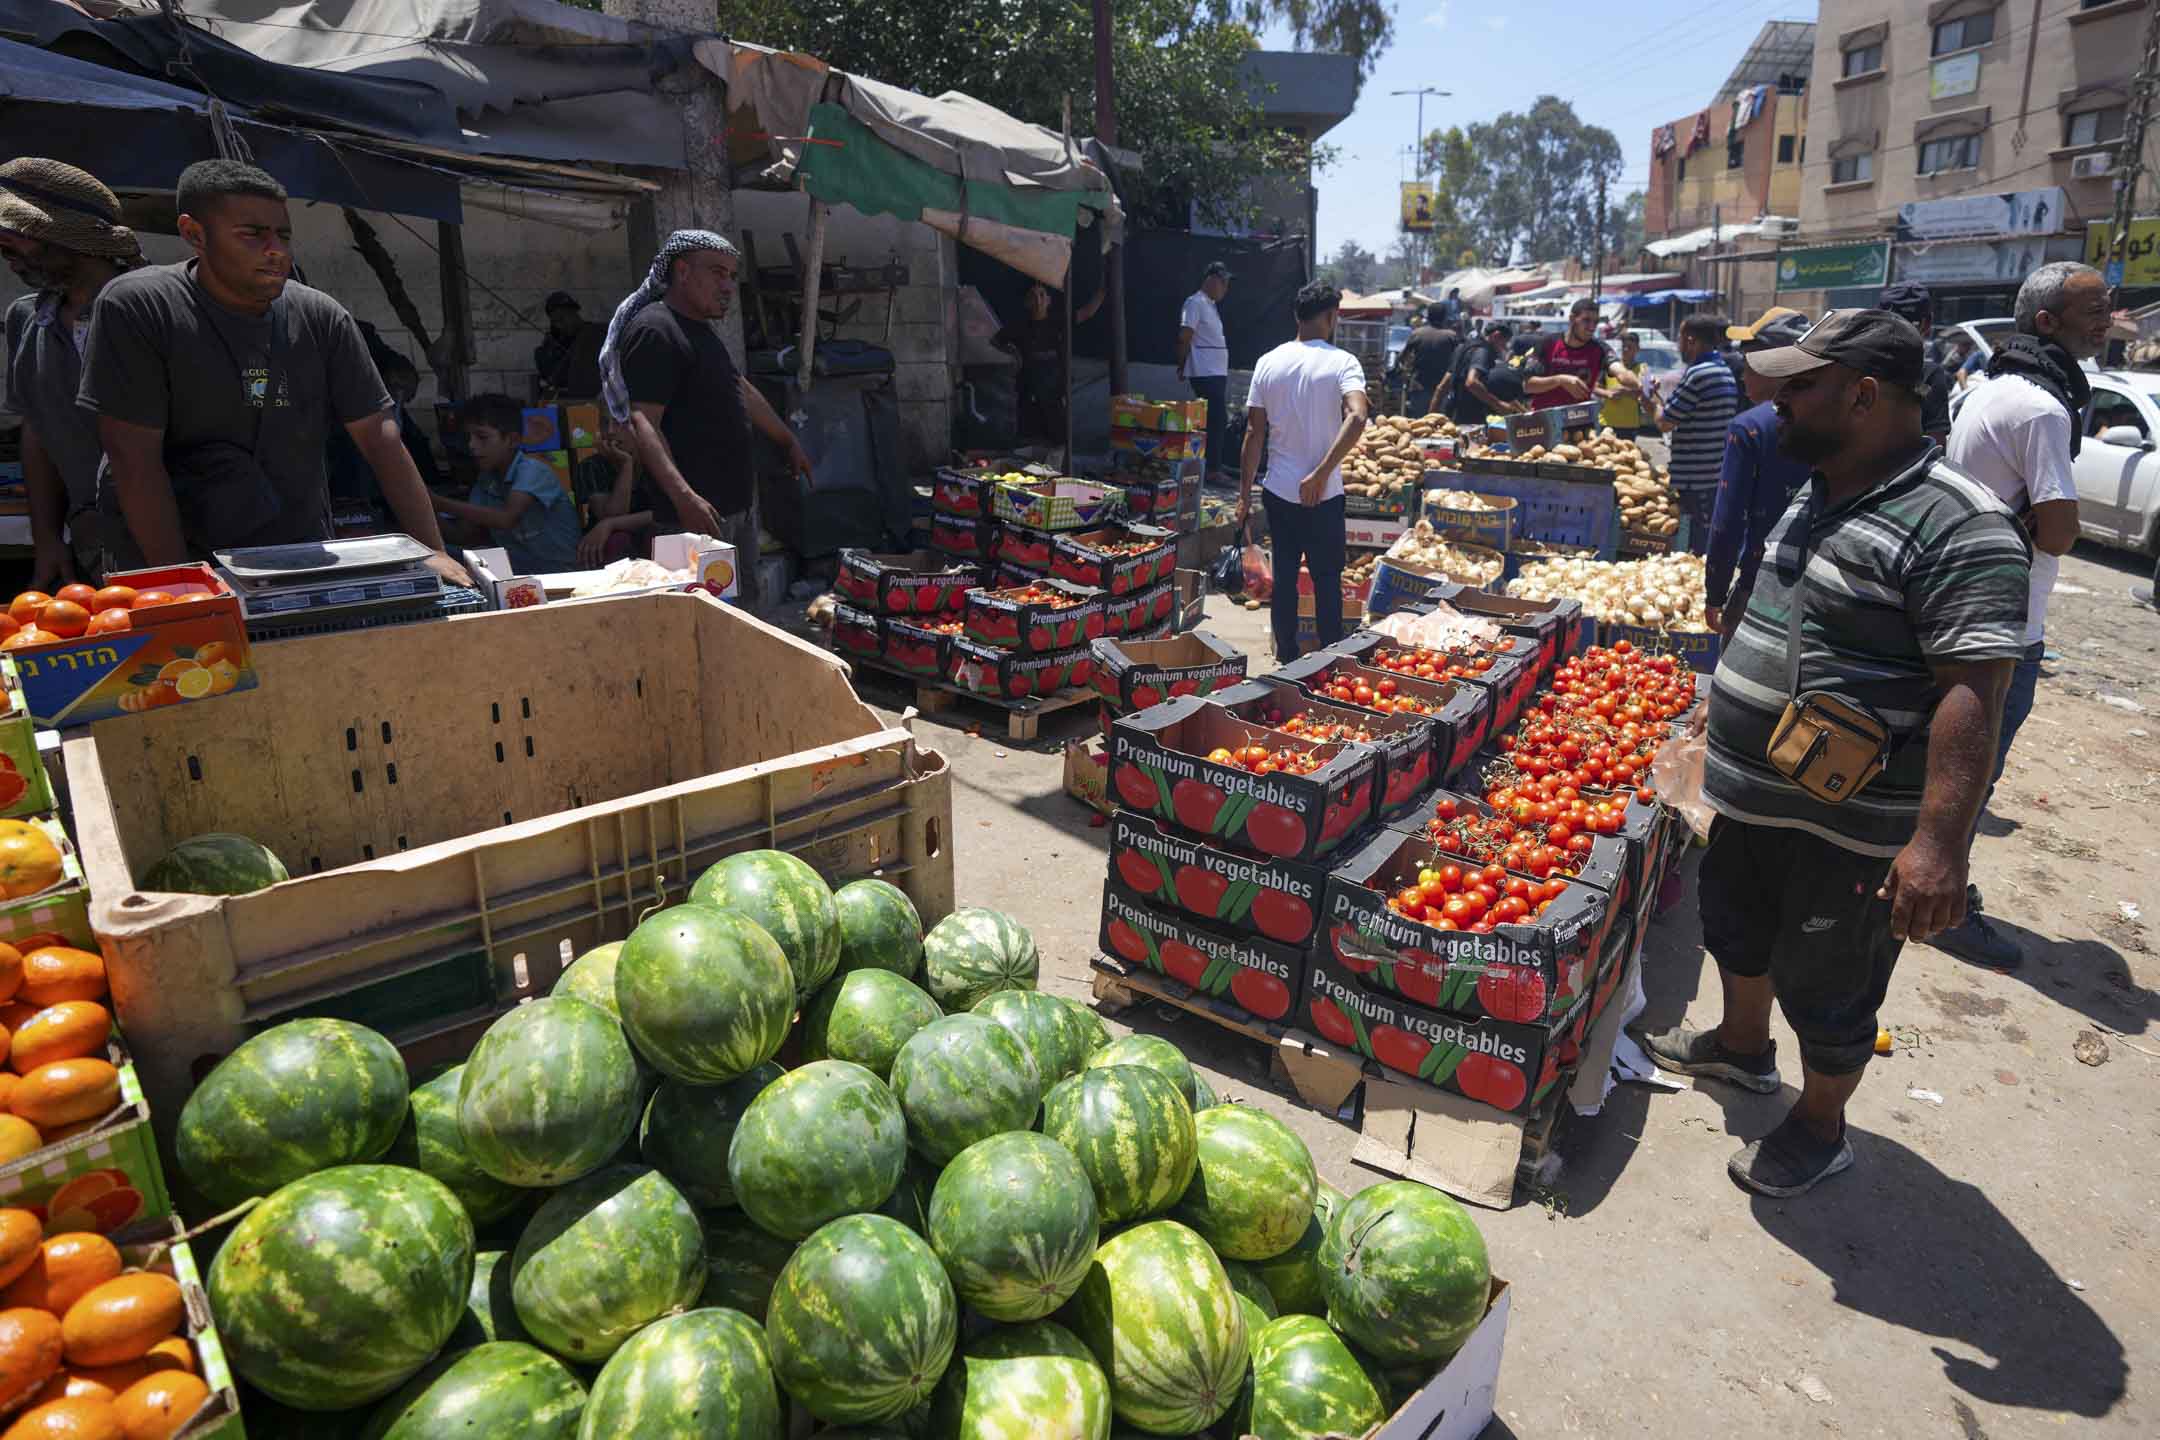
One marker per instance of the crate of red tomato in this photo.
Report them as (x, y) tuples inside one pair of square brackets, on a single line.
[(1461, 713), (1235, 891), (921, 582), (1241, 973), (1507, 667), (1038, 616), (1134, 674), (967, 536), (1022, 549), (1000, 674), (1532, 772), (921, 647), (1141, 613), (1117, 559), (856, 632), (1406, 742), (1220, 778)]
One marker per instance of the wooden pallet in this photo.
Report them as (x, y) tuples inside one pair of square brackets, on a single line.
[(1023, 718), (1322, 1075)]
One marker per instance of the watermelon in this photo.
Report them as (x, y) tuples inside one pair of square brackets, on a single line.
[(1405, 1273), (339, 1287), (1046, 1026), (705, 994), (1032, 1382), (605, 1255), (1293, 1277), (1252, 1189), (862, 1322), (742, 1263), (789, 900), (1013, 1221), (962, 1079), (216, 865), (1160, 1316), (1255, 1319), (1132, 1134), (1306, 1381), (1204, 1096), (1247, 1282), (1094, 1031), (879, 928), (688, 1128), (550, 1093), (972, 953), (698, 1376), (500, 1389), (591, 977), (432, 1143), (490, 1313), (298, 1098), (866, 1016), (1156, 1054), (818, 1143), (909, 1202)]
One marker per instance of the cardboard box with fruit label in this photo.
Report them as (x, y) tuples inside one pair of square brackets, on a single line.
[(1255, 976), (1468, 833), (1696, 649), (1159, 444), (182, 639), (1137, 412), (1057, 504), (543, 430), (1172, 502), (1137, 612), (58, 911), (1644, 826), (1509, 670), (1014, 675), (1561, 627), (960, 492), (1273, 900), (1118, 559), (920, 646), (1134, 674), (25, 788), (103, 1178), (1023, 548), (857, 633), (1407, 744), (1035, 617), (1087, 773), (970, 538), (1529, 971), (1462, 714), (162, 1246), (920, 582), (1169, 761)]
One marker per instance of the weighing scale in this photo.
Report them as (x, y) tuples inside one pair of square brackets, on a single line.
[(317, 587)]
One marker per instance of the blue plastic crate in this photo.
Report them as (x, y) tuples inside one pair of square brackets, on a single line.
[(1565, 512)]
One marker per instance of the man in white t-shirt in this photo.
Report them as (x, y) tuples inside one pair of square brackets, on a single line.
[(1203, 356), (2017, 434), (1306, 409)]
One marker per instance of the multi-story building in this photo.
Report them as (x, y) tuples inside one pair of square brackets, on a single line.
[(1960, 143)]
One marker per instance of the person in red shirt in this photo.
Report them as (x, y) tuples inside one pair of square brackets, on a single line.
[(1578, 356)]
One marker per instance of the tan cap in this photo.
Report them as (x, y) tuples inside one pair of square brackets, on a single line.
[(61, 205), (1770, 316)]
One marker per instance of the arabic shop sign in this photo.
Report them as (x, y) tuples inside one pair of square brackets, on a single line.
[(1982, 217), (1832, 267), (2141, 258)]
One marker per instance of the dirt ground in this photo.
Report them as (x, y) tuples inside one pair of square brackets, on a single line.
[(1988, 1269)]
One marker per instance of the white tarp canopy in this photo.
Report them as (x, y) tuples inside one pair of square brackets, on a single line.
[(1696, 240)]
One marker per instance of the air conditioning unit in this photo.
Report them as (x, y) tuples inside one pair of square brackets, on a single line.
[(2097, 166)]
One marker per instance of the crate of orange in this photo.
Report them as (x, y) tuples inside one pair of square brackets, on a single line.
[(25, 789), (148, 639), (42, 893)]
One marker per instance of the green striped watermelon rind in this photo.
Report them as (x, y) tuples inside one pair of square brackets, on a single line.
[(687, 1130), (503, 1387), (1047, 1026), (591, 977), (1293, 1277), (742, 1264), (300, 1097), (961, 1079), (216, 864), (822, 1141), (550, 1093), (973, 952), (705, 994), (1306, 1380), (490, 1314), (383, 1257), (1100, 1115), (1013, 1221), (1021, 1383), (605, 1256), (1156, 1054), (702, 1373), (836, 1367), (866, 1016), (879, 928), (1162, 1320), (1406, 1273), (787, 898), (432, 1144), (1247, 1282), (1252, 1190)]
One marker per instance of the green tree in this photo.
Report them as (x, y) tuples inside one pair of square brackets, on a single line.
[(1525, 186), (1362, 29), (1624, 229), (1352, 268)]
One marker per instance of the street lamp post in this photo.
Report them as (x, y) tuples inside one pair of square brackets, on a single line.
[(1418, 149)]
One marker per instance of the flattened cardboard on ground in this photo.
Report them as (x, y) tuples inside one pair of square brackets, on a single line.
[(1442, 1140)]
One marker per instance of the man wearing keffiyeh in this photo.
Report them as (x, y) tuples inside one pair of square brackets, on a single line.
[(665, 373)]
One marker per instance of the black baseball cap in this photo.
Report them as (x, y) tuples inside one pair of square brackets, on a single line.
[(1909, 299), (1873, 342), (561, 300), (1216, 268), (1785, 330)]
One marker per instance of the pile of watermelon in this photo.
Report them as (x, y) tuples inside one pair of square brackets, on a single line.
[(966, 1212)]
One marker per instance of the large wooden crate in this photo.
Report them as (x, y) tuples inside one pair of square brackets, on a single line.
[(466, 805)]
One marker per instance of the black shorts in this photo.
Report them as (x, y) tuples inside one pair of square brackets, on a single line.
[(1803, 911)]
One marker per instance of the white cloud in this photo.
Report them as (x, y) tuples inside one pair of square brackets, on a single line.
[(1496, 22), (1437, 17)]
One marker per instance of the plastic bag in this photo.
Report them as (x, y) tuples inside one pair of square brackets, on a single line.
[(1258, 573), (1227, 575), (1676, 773)]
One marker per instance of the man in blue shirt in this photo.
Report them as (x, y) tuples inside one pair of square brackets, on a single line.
[(516, 498), (1701, 408), (1755, 486)]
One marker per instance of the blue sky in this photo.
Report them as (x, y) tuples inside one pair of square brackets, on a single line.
[(1628, 65)]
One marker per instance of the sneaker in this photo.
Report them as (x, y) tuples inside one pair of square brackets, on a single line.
[(1686, 1051), (1977, 942), (2143, 594), (1789, 1160)]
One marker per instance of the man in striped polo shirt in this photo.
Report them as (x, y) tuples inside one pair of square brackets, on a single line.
[(1910, 582), (1696, 417)]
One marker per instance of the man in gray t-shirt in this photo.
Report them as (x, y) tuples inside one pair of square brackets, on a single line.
[(216, 381)]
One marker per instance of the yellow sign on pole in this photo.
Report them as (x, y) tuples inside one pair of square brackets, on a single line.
[(1417, 205), (2141, 260)]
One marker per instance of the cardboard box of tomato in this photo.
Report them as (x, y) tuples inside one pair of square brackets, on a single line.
[(970, 538), (1161, 765), (1643, 825), (1138, 611), (1511, 677), (1135, 674), (1531, 970), (1462, 714), (1118, 559), (857, 633), (921, 582), (1406, 743), (960, 492), (1012, 674), (919, 647), (1022, 548), (1034, 617), (1274, 900), (1256, 976), (183, 640), (1467, 832), (1162, 498)]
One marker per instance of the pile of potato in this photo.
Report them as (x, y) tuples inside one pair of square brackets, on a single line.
[(1360, 571), (1387, 458), (1664, 591), (1464, 564)]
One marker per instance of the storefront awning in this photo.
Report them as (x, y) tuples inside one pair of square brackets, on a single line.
[(1668, 297)]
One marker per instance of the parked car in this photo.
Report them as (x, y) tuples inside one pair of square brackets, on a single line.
[(1397, 337), (2118, 467), (1662, 367)]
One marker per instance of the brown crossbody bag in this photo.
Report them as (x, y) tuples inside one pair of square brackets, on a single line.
[(1829, 746)]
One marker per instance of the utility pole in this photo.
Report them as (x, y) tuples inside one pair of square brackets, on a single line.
[(1114, 261), (2130, 150), (1418, 244), (1597, 272)]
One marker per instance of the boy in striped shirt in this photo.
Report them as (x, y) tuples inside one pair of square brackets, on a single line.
[(1696, 417)]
